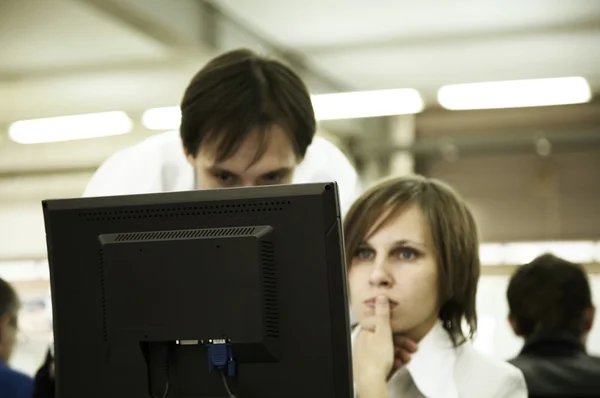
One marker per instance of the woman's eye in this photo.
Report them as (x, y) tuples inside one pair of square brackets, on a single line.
[(364, 254), (406, 254)]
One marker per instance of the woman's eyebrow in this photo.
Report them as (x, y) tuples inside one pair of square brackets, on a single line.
[(406, 242)]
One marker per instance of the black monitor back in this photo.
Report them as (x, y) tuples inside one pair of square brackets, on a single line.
[(141, 283)]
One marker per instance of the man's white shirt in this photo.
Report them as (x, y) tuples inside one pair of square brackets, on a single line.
[(158, 164)]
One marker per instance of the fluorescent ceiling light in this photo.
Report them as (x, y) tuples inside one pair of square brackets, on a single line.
[(518, 253), (491, 253), (67, 128), (168, 118), (361, 104), (577, 252), (24, 271), (515, 94), (349, 105)]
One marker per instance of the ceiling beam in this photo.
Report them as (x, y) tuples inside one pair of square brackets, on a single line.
[(47, 172), (125, 13), (508, 270), (436, 121), (215, 20), (591, 25), (125, 66), (211, 23), (507, 142)]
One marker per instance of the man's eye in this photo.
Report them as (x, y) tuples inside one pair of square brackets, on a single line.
[(224, 177), (273, 177)]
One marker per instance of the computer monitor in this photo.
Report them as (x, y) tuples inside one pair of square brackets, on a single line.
[(212, 293)]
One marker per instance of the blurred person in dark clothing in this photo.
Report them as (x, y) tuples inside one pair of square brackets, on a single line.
[(13, 384), (44, 386), (551, 307)]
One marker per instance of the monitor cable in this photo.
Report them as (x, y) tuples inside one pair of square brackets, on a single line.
[(166, 389), (226, 385), (220, 359), (167, 374)]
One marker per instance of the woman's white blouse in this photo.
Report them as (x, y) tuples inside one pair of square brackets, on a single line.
[(439, 370)]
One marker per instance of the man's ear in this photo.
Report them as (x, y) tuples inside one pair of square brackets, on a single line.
[(514, 325), (588, 318), (190, 158)]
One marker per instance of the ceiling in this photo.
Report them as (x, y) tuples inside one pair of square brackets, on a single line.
[(60, 57), (78, 55), (426, 44), (52, 35)]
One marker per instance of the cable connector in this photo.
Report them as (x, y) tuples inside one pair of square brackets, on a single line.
[(220, 357)]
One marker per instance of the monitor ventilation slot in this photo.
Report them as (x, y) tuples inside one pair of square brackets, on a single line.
[(154, 211), (185, 234), (269, 289), (103, 297)]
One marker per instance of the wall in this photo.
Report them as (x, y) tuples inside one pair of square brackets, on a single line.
[(523, 196), (499, 340)]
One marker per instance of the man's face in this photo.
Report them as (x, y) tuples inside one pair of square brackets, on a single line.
[(275, 166)]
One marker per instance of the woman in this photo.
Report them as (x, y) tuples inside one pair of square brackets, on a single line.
[(412, 250)]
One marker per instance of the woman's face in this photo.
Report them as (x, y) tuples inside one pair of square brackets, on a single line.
[(398, 261)]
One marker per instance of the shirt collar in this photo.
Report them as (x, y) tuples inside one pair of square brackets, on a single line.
[(553, 343), (432, 366)]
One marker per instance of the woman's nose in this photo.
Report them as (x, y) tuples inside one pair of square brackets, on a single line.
[(380, 276)]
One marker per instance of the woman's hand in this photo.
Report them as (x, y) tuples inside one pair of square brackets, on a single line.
[(403, 350), (373, 355)]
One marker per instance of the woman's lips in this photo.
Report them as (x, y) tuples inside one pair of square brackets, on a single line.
[(371, 303)]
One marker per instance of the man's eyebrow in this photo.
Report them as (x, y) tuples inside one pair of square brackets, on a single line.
[(220, 170), (282, 170)]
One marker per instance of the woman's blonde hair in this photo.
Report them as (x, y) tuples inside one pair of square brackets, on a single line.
[(454, 237)]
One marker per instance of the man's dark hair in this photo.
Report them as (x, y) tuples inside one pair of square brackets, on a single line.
[(549, 293), (239, 92), (9, 301)]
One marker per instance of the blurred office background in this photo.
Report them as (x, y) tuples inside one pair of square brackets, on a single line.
[(530, 172)]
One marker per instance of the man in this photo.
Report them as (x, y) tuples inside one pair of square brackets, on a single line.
[(13, 384), (551, 308), (246, 121)]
